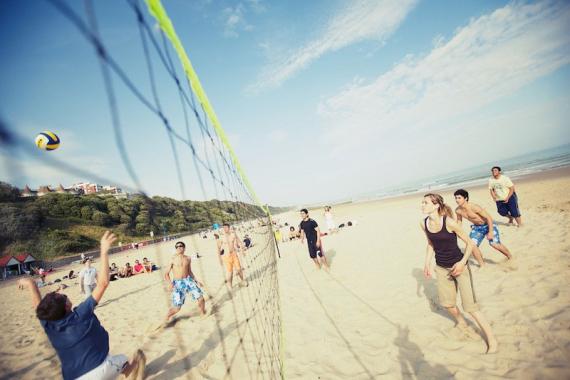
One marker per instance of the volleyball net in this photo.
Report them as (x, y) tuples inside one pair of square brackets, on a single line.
[(158, 85)]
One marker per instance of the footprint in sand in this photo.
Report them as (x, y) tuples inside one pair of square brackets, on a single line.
[(509, 265), (23, 342)]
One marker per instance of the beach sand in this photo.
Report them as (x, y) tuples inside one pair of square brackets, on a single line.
[(373, 316)]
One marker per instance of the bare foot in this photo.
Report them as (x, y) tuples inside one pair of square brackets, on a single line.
[(138, 365)]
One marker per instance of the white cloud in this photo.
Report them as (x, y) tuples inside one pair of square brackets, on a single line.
[(359, 21), (235, 20), (490, 58)]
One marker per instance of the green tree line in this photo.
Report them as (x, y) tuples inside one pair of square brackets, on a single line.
[(59, 223)]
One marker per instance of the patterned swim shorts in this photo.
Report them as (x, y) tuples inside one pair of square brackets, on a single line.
[(479, 232), (183, 286)]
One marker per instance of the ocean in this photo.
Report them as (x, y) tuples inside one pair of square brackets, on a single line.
[(514, 167)]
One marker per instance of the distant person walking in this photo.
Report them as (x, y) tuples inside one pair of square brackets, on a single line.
[(482, 227), (310, 229), (228, 246), (452, 267), (503, 192), (329, 220), (88, 279)]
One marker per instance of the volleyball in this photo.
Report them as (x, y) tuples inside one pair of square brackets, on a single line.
[(47, 140)]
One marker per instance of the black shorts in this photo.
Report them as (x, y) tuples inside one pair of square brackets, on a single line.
[(313, 250), (511, 208)]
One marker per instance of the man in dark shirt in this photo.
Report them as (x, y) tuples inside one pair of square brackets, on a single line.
[(310, 229), (77, 336)]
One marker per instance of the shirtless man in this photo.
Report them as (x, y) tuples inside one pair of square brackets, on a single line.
[(228, 246), (482, 226), (183, 282)]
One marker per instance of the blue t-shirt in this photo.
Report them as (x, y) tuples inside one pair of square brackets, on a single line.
[(80, 341)]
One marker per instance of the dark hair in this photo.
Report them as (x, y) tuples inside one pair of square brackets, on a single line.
[(52, 307), (225, 224), (145, 258), (216, 236), (463, 193), (496, 167), (305, 210), (180, 242)]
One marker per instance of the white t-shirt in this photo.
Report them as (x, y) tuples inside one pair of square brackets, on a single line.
[(89, 276), (501, 186)]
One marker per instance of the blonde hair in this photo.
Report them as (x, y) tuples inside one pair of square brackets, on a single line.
[(437, 199)]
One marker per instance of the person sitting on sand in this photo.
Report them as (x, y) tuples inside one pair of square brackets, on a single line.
[(228, 247), (113, 272), (293, 234), (148, 267), (138, 268), (452, 267), (183, 282), (247, 242), (126, 271), (482, 227), (79, 339)]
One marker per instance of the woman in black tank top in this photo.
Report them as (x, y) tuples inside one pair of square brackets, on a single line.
[(442, 233)]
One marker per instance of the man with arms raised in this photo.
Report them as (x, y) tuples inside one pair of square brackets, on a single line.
[(310, 229), (183, 282), (228, 246), (77, 336), (503, 192)]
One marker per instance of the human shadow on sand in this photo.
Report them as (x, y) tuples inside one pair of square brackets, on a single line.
[(413, 364), (330, 255), (166, 371), (126, 295), (429, 287)]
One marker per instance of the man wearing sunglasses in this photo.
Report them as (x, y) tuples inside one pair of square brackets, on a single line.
[(79, 339), (183, 282)]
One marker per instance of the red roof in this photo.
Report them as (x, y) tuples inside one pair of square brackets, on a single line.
[(5, 260), (23, 256)]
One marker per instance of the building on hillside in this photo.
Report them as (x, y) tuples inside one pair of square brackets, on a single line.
[(112, 189), (43, 190), (9, 266), (87, 188), (27, 192), (26, 261)]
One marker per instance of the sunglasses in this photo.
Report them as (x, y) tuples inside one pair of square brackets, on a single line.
[(179, 246)]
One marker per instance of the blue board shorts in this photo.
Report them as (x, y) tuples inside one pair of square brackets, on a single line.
[(479, 232), (510, 208), (183, 286)]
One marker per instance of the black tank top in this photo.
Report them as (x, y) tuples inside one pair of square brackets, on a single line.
[(447, 253)]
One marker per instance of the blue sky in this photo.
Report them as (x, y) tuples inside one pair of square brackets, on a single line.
[(321, 100)]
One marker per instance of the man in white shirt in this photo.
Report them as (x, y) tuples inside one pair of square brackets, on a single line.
[(88, 279), (503, 192)]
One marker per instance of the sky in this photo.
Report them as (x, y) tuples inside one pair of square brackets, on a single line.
[(321, 100)]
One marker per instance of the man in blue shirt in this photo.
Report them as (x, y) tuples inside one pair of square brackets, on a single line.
[(77, 336)]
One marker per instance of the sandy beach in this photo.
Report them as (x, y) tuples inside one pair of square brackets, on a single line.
[(372, 316)]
